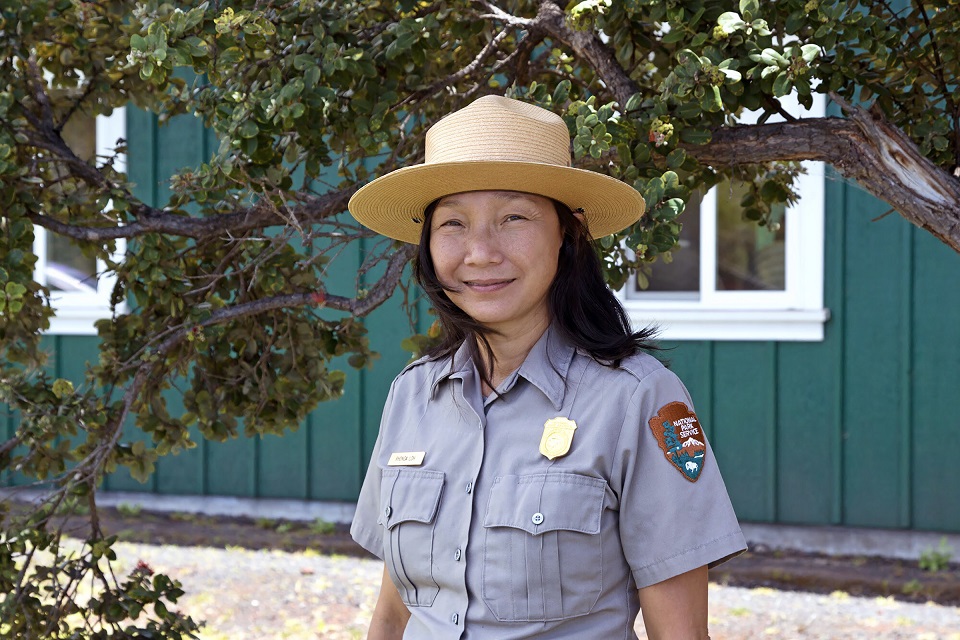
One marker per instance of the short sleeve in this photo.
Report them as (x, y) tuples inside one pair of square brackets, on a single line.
[(675, 514), (365, 529)]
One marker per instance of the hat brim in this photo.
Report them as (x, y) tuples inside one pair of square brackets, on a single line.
[(393, 204)]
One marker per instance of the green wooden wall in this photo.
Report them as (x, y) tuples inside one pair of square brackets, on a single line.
[(321, 460), (861, 429)]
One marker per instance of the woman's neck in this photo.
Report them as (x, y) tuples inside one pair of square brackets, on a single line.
[(510, 350)]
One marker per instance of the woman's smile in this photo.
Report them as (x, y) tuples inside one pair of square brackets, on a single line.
[(487, 285)]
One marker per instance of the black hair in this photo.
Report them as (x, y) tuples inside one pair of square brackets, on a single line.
[(582, 308)]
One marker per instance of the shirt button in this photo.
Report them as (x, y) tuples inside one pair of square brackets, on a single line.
[(469, 487), (455, 618), (537, 518), (457, 555), (387, 511)]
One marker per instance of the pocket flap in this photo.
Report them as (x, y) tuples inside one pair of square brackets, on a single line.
[(409, 495), (546, 502)]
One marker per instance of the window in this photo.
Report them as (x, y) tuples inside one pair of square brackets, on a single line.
[(79, 287), (731, 279)]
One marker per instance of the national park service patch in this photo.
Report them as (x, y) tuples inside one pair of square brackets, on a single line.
[(681, 437)]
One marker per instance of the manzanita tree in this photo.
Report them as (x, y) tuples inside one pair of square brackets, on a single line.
[(224, 283)]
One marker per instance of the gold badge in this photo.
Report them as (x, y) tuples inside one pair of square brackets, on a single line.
[(557, 437)]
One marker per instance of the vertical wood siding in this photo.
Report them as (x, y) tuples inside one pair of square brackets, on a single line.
[(862, 429)]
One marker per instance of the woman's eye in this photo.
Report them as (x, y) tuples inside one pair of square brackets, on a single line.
[(516, 216), (450, 223)]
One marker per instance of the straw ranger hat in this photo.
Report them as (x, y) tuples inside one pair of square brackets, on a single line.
[(495, 143)]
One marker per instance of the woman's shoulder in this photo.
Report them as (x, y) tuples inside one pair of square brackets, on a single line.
[(632, 370), (422, 369)]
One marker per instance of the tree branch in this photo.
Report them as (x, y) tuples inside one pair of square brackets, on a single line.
[(497, 13), (43, 101), (316, 209), (9, 446), (551, 19), (89, 468), (354, 306), (864, 147), (453, 78)]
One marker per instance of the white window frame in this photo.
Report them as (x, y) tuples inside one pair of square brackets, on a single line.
[(793, 314), (77, 311)]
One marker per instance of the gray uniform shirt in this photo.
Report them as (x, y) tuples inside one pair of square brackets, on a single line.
[(488, 538)]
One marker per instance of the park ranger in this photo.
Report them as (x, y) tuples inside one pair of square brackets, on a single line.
[(538, 474)]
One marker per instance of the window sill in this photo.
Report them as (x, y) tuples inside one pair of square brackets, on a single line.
[(76, 324), (793, 325), (76, 318)]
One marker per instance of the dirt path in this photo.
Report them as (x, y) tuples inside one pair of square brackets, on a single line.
[(263, 595)]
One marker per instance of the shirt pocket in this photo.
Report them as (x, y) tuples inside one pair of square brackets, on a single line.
[(409, 500), (542, 552)]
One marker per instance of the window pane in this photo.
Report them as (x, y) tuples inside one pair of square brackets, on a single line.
[(682, 275), (67, 268), (749, 257)]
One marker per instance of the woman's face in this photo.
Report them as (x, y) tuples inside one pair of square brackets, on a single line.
[(496, 252)]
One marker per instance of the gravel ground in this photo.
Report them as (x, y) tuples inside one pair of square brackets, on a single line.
[(263, 595)]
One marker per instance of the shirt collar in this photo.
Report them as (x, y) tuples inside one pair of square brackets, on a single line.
[(459, 367), (545, 366)]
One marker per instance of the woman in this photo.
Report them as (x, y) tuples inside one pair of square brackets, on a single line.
[(538, 474)]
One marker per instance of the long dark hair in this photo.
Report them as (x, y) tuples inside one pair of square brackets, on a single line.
[(581, 306)]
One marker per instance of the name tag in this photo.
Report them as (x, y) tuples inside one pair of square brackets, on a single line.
[(406, 459)]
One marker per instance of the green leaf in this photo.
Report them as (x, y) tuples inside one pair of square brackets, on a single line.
[(15, 290), (653, 191), (671, 209), (773, 57), (809, 52), (795, 20), (675, 35), (781, 86), (675, 158), (62, 388), (730, 22), (248, 129), (633, 103), (711, 101), (751, 7), (670, 180), (303, 61)]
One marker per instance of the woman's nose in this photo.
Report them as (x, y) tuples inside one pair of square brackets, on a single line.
[(482, 248)]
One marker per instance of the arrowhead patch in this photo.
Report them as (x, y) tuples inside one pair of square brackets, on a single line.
[(680, 436)]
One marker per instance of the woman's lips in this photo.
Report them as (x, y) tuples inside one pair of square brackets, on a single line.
[(486, 286)]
